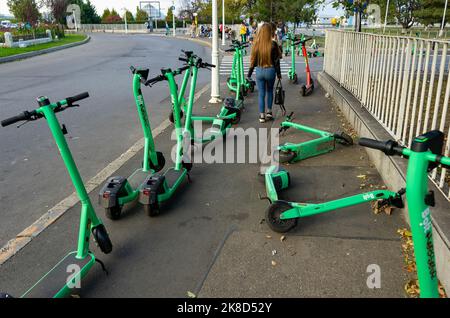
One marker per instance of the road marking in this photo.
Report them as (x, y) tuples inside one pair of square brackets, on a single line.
[(226, 65), (52, 215)]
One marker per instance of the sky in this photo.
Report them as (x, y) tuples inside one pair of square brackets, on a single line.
[(100, 5)]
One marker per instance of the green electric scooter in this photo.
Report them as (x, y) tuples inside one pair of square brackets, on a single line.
[(237, 82), (159, 188), (424, 156), (118, 190), (66, 275), (230, 113), (325, 143), (293, 42)]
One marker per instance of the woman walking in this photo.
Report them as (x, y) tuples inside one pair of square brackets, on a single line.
[(265, 57)]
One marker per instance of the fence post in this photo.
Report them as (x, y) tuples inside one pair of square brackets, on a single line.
[(366, 70)]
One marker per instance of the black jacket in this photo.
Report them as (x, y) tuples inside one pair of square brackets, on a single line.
[(275, 55)]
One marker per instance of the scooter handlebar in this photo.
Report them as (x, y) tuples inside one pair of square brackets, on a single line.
[(26, 115), (76, 98), (390, 147)]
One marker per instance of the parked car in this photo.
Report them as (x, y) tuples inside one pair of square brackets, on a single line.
[(5, 24)]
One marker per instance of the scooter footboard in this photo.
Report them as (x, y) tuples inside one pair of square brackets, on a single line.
[(62, 278)]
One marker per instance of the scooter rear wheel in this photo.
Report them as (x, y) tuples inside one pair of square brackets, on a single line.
[(285, 156), (101, 237), (152, 210), (161, 162), (236, 119), (113, 213), (273, 214)]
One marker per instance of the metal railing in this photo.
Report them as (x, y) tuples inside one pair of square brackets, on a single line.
[(27, 37), (120, 28), (404, 82)]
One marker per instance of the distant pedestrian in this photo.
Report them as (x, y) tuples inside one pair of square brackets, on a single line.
[(243, 32), (265, 57)]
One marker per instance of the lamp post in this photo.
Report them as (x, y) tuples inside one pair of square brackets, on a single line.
[(126, 24), (441, 31), (173, 18), (385, 16), (215, 86), (223, 22)]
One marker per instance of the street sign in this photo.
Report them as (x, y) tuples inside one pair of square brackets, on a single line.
[(153, 8)]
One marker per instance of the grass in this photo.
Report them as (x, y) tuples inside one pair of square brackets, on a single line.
[(69, 38)]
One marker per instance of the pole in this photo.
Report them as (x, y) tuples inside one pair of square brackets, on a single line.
[(215, 86), (126, 25), (75, 20), (173, 18), (441, 31), (385, 16), (223, 22)]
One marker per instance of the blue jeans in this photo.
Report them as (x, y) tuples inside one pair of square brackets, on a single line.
[(265, 80)]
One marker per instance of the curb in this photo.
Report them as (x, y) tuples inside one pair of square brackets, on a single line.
[(393, 170), (41, 52), (13, 246)]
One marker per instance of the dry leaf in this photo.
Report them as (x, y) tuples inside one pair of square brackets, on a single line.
[(283, 238), (191, 295), (274, 263)]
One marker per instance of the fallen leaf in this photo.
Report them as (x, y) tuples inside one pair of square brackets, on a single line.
[(274, 263), (283, 238), (191, 295)]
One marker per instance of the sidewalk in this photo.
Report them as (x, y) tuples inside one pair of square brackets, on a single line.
[(211, 240)]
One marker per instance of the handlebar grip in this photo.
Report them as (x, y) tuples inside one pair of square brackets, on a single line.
[(15, 119), (184, 68), (154, 80), (182, 59), (209, 65), (76, 98), (390, 147), (230, 50)]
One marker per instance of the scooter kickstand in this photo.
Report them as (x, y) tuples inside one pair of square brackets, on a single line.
[(102, 265)]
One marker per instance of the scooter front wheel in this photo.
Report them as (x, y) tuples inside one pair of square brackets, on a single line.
[(172, 117), (114, 212), (101, 237), (273, 214), (285, 156)]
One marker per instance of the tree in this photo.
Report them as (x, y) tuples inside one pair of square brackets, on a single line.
[(234, 9), (301, 11), (114, 17), (58, 9), (129, 15), (89, 13), (169, 16), (354, 7), (141, 15), (105, 15), (431, 12), (25, 10), (405, 12)]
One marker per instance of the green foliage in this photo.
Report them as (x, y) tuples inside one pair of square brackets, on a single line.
[(88, 12), (141, 15), (169, 16), (105, 15), (24, 10), (130, 17), (431, 12)]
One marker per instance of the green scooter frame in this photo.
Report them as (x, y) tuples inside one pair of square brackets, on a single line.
[(282, 215), (60, 280), (293, 42), (237, 82), (118, 190), (325, 143), (424, 156), (159, 188), (230, 113)]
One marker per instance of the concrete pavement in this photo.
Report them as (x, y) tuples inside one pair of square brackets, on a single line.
[(32, 176), (211, 240)]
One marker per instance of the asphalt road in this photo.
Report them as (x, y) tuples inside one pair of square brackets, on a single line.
[(32, 175)]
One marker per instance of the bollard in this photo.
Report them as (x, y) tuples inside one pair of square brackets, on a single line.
[(8, 39)]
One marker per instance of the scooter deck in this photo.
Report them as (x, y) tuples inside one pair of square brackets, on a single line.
[(138, 177), (54, 283), (173, 176)]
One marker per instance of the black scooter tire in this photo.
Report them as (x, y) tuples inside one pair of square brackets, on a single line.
[(113, 213), (273, 220), (152, 210), (101, 237), (172, 118)]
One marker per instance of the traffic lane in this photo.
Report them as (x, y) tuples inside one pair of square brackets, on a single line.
[(32, 175)]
